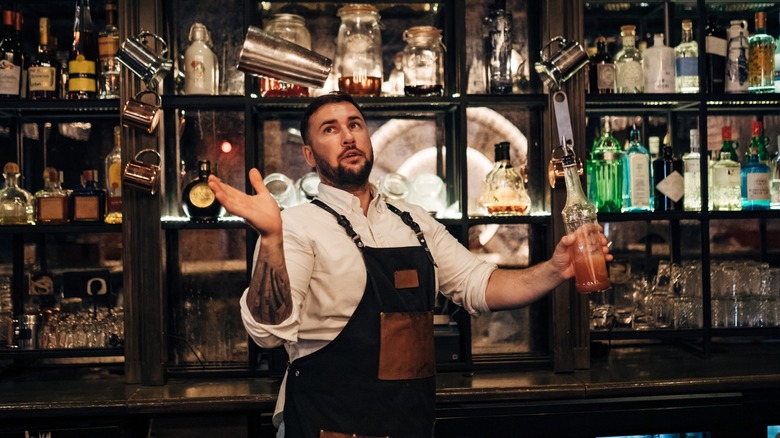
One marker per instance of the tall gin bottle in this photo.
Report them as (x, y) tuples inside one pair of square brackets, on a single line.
[(687, 61), (658, 63), (637, 177), (755, 183), (761, 60), (579, 216), (605, 172), (726, 183), (628, 63), (692, 175), (669, 184)]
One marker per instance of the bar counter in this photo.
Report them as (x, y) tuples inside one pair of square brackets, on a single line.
[(629, 390)]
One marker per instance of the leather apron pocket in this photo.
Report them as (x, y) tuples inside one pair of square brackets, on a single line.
[(406, 346)]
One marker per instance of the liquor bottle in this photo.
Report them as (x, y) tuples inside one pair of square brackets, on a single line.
[(17, 205), (759, 142), (777, 66), (687, 61), (658, 66), (108, 45), (83, 57), (200, 63), (579, 217), (715, 48), (11, 60), (601, 70), (43, 75), (726, 183), (774, 182), (637, 179), (761, 58), (113, 167), (653, 146), (505, 193), (605, 176), (755, 183), (88, 202), (198, 201), (51, 202), (18, 24), (498, 48), (670, 184), (737, 61), (628, 63), (692, 175)]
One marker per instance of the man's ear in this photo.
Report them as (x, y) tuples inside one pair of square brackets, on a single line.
[(308, 155)]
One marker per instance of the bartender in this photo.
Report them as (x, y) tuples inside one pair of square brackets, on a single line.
[(347, 284)]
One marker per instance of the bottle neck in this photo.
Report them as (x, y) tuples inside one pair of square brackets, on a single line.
[(629, 42), (687, 35), (574, 193)]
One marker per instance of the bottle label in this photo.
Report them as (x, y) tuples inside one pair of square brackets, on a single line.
[(42, 78), (639, 184), (10, 77), (201, 196), (630, 77), (691, 166), (758, 186), (108, 46), (687, 66), (605, 76), (81, 75), (86, 208), (725, 177), (673, 186), (115, 177), (715, 46), (52, 209)]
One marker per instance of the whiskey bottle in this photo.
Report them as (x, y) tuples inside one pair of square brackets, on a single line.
[(198, 201), (505, 193), (88, 203), (83, 58), (113, 168), (43, 75), (108, 45), (11, 59), (17, 205), (601, 70), (692, 175), (670, 185), (52, 201), (761, 58), (637, 176)]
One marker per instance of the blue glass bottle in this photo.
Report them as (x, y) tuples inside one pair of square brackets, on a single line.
[(637, 175), (88, 203), (755, 183)]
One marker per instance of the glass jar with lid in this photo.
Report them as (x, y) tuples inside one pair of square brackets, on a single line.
[(358, 62), (289, 27), (423, 62)]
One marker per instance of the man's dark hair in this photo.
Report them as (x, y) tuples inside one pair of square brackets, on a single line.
[(317, 103)]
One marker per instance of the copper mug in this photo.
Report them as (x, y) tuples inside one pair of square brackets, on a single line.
[(143, 175), (562, 64), (145, 62), (141, 115)]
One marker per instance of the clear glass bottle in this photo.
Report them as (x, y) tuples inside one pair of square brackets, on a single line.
[(761, 58), (777, 66), (605, 176), (737, 57), (580, 218), (197, 200), (692, 175), (43, 75), (113, 169), (83, 58), (358, 62), (759, 141), (601, 69), (51, 202), (108, 45), (658, 66), (774, 182), (653, 146), (715, 48), (394, 85), (423, 62), (13, 57), (669, 181), (17, 205), (686, 56), (637, 176), (201, 68), (628, 63), (755, 183), (498, 48), (505, 193), (289, 27), (726, 184), (88, 202)]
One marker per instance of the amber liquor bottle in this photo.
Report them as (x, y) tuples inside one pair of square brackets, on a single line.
[(198, 201), (83, 58), (43, 75)]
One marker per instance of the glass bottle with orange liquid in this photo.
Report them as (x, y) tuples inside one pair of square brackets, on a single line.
[(358, 63), (579, 216)]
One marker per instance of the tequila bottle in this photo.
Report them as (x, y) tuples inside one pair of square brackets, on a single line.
[(17, 205), (637, 177), (761, 58), (658, 66), (505, 193), (755, 183), (726, 184), (113, 166), (605, 172), (52, 201), (670, 186), (628, 63), (692, 175), (88, 203), (687, 61)]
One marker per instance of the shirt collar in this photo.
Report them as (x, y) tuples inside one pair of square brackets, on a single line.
[(345, 202)]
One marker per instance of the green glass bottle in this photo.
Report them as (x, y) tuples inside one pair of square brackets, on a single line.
[(605, 172)]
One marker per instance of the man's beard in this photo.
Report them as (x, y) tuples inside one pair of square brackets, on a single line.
[(342, 177)]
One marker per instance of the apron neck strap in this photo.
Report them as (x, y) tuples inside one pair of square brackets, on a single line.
[(407, 218), (343, 221)]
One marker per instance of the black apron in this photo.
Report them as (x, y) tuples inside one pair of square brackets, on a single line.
[(376, 378)]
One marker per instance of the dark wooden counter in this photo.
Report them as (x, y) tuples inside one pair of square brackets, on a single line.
[(656, 389)]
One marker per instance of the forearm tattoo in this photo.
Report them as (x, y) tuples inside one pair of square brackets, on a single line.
[(269, 298)]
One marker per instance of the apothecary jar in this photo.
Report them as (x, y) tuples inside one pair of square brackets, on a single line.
[(358, 62), (290, 27), (423, 62)]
